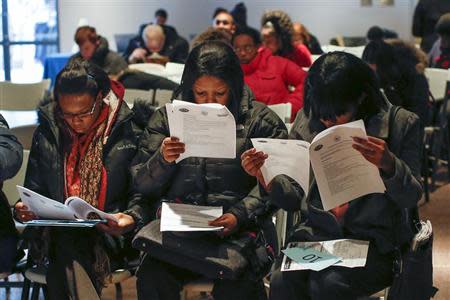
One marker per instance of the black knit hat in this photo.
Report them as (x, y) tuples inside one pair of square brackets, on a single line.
[(443, 25)]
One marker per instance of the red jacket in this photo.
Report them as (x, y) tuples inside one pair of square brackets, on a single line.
[(269, 77), (300, 55)]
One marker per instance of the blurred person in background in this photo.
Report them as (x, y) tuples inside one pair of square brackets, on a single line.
[(273, 79), (301, 35), (276, 31)]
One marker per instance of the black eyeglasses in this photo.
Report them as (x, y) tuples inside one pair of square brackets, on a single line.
[(71, 116)]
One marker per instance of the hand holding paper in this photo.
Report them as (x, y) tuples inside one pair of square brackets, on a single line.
[(207, 130)]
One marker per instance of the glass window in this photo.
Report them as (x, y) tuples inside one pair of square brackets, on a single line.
[(33, 35), (32, 20), (25, 68)]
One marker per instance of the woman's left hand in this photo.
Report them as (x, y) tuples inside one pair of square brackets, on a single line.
[(125, 223), (228, 221), (377, 152)]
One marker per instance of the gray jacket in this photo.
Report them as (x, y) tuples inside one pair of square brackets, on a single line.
[(373, 217)]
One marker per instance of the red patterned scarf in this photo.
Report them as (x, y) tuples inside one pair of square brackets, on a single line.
[(85, 174)]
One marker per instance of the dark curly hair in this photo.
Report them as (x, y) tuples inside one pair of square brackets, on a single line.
[(282, 26)]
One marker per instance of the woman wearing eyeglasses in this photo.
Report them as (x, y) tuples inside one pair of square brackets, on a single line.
[(270, 77), (83, 147)]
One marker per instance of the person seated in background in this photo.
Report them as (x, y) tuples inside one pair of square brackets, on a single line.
[(440, 53), (95, 49), (301, 35), (224, 20), (269, 77), (426, 15), (277, 37), (341, 88), (84, 146), (161, 17), (376, 33), (400, 67), (157, 44), (239, 14), (212, 75), (11, 155)]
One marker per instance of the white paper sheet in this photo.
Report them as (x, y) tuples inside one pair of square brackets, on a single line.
[(353, 253), (207, 130), (74, 208), (44, 207), (185, 217), (288, 157), (341, 172)]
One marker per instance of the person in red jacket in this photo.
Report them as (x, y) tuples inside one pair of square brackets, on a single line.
[(276, 31), (273, 79)]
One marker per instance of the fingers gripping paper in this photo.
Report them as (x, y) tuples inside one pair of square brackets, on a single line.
[(207, 130)]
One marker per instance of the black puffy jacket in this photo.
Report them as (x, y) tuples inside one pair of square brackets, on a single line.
[(207, 181), (45, 171), (11, 153)]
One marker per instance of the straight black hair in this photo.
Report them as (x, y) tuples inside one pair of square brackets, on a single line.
[(338, 83), (81, 77), (216, 59)]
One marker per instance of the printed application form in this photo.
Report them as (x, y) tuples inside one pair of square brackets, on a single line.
[(185, 217), (74, 212), (207, 130), (341, 172), (289, 157)]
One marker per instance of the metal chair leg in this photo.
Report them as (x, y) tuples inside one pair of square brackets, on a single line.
[(35, 292), (26, 289), (118, 291)]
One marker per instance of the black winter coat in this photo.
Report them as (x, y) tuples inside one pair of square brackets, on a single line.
[(45, 171), (11, 153), (175, 46), (373, 217), (207, 181)]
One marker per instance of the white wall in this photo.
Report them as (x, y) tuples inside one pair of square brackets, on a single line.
[(324, 18)]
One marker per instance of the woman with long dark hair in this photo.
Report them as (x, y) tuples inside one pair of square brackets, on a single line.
[(341, 88), (212, 74), (276, 32)]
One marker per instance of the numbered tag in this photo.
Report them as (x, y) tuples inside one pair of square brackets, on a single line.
[(310, 258)]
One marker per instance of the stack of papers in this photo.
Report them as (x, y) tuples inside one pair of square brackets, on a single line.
[(207, 130), (185, 217), (317, 256)]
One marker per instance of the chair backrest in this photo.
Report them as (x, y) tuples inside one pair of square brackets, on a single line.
[(162, 97), (122, 40), (22, 96), (132, 95), (25, 135), (174, 71), (9, 186), (437, 81), (283, 110), (17, 118), (155, 69)]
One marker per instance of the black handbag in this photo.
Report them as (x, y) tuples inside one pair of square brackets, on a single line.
[(246, 254), (413, 274)]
